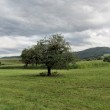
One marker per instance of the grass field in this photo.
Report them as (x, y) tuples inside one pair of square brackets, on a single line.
[(74, 89)]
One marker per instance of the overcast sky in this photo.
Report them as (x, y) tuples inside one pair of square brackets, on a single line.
[(84, 23)]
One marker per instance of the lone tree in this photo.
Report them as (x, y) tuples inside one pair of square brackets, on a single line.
[(53, 52)]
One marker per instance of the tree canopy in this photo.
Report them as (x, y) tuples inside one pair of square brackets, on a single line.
[(53, 52)]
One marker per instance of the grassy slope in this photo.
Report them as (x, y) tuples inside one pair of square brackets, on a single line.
[(8, 63), (81, 89)]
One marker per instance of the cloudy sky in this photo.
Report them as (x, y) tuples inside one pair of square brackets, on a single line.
[(84, 23)]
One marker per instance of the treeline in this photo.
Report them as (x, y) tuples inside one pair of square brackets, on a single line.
[(53, 52)]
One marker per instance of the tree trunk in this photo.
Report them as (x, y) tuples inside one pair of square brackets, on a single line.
[(49, 71), (26, 65), (32, 64)]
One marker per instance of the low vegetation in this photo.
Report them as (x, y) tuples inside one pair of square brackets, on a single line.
[(106, 58), (92, 64)]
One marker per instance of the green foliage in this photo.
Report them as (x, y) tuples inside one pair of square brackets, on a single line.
[(106, 58), (28, 56), (53, 52)]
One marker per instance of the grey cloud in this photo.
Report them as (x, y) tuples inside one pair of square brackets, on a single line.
[(9, 51), (31, 17), (79, 38), (73, 18)]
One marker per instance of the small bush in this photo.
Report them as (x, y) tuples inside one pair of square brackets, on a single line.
[(106, 59)]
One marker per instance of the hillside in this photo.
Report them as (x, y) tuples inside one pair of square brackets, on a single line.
[(90, 53), (10, 57), (93, 52)]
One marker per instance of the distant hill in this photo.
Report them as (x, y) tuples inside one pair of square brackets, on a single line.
[(93, 52), (11, 57)]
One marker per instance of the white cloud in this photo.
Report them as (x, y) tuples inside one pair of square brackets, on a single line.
[(11, 45), (100, 38)]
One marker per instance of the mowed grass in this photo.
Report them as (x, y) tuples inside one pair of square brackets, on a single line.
[(75, 89)]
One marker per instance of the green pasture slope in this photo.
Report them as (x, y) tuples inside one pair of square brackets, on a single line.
[(87, 88), (7, 63)]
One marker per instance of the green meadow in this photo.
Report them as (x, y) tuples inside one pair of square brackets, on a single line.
[(84, 88)]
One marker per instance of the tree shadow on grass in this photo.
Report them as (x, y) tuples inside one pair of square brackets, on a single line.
[(54, 74), (44, 74), (39, 75)]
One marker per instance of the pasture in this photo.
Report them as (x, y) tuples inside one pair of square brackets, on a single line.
[(85, 88)]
